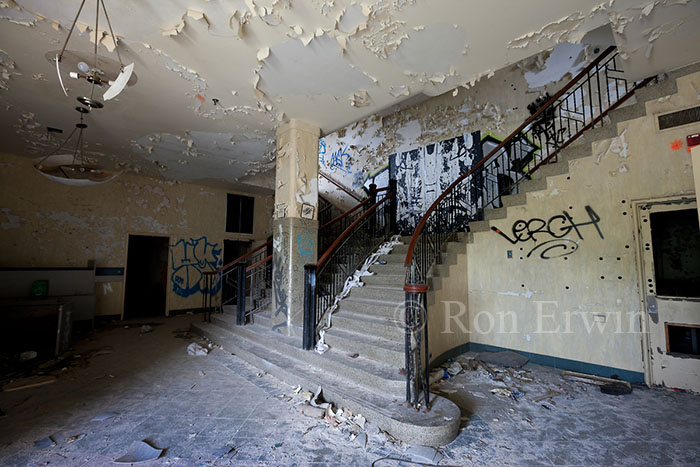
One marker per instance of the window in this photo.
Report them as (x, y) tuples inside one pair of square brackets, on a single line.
[(676, 242), (239, 213)]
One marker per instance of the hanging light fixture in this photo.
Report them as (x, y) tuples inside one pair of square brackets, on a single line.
[(73, 169), (95, 75)]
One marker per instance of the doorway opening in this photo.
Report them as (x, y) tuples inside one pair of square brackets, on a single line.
[(146, 276)]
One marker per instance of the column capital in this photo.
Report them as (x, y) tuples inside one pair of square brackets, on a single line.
[(299, 125)]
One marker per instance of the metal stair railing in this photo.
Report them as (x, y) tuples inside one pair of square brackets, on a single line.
[(324, 280), (246, 281), (553, 125)]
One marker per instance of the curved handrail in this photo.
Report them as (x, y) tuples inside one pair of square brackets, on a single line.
[(340, 187), (506, 141), (345, 214), (269, 242), (262, 261), (341, 238), (238, 260)]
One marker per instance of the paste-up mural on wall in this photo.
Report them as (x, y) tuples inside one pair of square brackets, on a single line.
[(189, 259), (422, 174)]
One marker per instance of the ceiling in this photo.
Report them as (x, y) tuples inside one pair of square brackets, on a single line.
[(329, 63)]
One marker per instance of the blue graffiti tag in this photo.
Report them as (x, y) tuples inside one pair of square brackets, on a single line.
[(190, 258), (321, 152), (337, 161), (306, 246)]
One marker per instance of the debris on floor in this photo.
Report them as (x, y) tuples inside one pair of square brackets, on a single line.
[(197, 350), (74, 438), (30, 382), (104, 416), (146, 328), (140, 451), (28, 355), (424, 454), (44, 443), (504, 358), (593, 379)]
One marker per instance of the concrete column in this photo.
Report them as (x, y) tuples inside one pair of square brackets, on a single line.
[(295, 224)]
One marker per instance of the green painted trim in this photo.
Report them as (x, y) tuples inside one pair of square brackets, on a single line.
[(544, 360), (566, 364), (452, 353)]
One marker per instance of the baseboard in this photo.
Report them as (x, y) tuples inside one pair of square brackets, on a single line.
[(545, 360)]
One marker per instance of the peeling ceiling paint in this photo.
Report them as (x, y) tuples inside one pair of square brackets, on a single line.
[(241, 67)]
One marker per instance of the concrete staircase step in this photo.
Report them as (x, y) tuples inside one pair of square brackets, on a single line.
[(434, 428), (378, 326), (495, 213), (372, 347), (373, 375), (385, 279), (370, 308), (514, 200), (380, 294), (389, 268)]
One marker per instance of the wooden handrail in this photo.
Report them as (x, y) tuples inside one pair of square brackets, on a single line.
[(239, 259), (269, 242), (345, 214), (347, 231), (533, 117), (340, 187), (262, 261)]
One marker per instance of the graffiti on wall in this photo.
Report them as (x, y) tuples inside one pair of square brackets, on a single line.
[(189, 259), (306, 247), (422, 174), (280, 264), (552, 236)]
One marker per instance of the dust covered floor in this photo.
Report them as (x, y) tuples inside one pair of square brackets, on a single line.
[(218, 410)]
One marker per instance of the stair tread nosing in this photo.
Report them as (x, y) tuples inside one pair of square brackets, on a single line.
[(372, 368), (437, 427)]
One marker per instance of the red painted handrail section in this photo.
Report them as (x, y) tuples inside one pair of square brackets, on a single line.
[(346, 233), (345, 214), (341, 187), (506, 141), (269, 242), (239, 259)]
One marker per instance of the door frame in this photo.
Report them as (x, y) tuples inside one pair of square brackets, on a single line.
[(126, 269), (639, 263)]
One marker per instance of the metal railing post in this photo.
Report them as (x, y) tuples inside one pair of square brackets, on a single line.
[(373, 200), (309, 327), (240, 309), (392, 207)]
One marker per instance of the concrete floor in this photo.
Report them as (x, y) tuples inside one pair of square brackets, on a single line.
[(218, 410)]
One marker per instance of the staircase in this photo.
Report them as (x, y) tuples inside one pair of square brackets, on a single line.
[(369, 324)]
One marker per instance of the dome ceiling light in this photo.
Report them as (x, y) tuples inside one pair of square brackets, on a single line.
[(72, 168)]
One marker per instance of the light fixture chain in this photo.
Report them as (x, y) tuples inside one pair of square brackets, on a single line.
[(114, 38), (65, 44)]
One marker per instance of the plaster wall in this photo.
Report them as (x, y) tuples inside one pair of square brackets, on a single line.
[(576, 297), (46, 224), (494, 104)]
